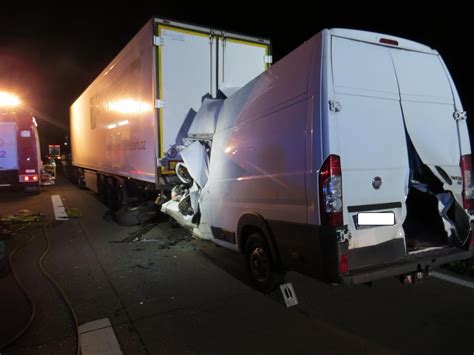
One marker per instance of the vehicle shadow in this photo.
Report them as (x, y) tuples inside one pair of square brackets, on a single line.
[(228, 260)]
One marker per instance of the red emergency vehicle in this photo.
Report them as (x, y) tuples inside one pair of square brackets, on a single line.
[(20, 162)]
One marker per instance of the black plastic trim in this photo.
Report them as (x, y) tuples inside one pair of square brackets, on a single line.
[(376, 207), (406, 266), (224, 235)]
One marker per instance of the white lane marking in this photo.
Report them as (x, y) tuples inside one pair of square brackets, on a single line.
[(453, 279), (59, 210), (98, 337)]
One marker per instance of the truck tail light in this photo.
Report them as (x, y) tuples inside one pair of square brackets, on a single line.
[(471, 242), (28, 178), (467, 188), (344, 264), (330, 192)]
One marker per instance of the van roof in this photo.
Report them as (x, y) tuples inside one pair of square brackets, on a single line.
[(374, 37)]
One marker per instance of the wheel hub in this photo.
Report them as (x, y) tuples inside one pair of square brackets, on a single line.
[(259, 264)]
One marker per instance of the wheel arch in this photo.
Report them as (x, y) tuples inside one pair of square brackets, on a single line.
[(250, 222)]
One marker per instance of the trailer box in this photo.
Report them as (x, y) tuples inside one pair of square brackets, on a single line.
[(129, 121)]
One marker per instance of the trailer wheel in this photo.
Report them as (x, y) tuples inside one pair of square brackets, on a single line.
[(120, 194), (261, 269), (111, 197), (102, 187), (81, 183)]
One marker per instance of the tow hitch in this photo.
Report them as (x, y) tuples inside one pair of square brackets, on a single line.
[(420, 274)]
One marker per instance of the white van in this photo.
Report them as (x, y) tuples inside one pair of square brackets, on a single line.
[(348, 160)]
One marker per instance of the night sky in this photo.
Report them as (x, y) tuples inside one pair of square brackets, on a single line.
[(49, 55)]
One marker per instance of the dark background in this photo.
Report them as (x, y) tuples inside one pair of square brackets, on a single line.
[(49, 55)]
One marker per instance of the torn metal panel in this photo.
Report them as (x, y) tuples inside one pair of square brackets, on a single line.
[(204, 124), (204, 229), (171, 208), (427, 123), (197, 162), (445, 202), (194, 193), (228, 91)]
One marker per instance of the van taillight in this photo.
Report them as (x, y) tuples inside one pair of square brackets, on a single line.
[(467, 193), (28, 178), (471, 242), (330, 192)]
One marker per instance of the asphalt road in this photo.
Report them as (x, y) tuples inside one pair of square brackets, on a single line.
[(171, 294)]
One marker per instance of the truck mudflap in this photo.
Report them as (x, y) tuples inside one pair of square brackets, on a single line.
[(423, 262)]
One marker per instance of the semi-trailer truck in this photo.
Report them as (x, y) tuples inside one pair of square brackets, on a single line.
[(127, 125)]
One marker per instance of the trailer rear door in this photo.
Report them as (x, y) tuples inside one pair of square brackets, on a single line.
[(193, 63), (240, 61), (184, 77)]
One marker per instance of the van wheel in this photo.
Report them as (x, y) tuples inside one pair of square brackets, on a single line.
[(260, 266)]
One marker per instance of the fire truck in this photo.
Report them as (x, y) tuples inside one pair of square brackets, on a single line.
[(20, 162)]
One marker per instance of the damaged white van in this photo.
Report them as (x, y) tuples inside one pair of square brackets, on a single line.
[(348, 160)]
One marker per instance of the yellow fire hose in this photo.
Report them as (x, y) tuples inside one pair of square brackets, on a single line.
[(10, 226)]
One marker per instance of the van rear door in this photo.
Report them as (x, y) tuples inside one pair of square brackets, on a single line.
[(372, 141), (428, 107), (427, 100)]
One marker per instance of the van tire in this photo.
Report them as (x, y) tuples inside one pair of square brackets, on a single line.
[(261, 269)]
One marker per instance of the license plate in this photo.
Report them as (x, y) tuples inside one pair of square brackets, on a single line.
[(376, 219)]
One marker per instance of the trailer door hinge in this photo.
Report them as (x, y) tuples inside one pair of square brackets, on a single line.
[(460, 116), (335, 106), (268, 59), (158, 41), (159, 103)]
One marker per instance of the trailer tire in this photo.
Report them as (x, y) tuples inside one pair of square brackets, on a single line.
[(121, 196), (137, 213), (102, 187), (128, 215), (261, 269), (111, 196), (80, 179)]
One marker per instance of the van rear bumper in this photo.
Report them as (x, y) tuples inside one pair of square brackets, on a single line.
[(410, 264)]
